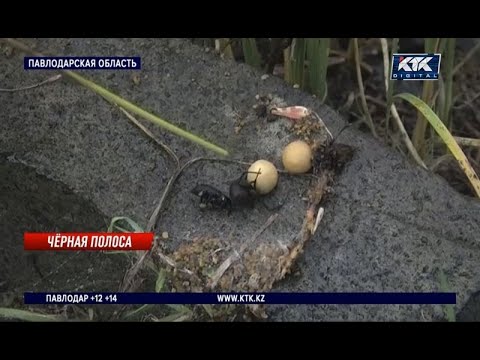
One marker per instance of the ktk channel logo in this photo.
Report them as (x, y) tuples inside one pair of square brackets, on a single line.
[(415, 66)]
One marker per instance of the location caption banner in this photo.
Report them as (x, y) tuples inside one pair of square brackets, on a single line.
[(87, 241), (239, 298), (82, 63)]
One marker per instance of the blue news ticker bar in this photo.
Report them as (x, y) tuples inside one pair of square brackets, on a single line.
[(239, 298), (82, 63)]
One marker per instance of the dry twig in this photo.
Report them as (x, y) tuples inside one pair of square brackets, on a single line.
[(49, 80)]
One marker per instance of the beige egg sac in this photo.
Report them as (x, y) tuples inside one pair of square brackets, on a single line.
[(266, 180), (297, 157)]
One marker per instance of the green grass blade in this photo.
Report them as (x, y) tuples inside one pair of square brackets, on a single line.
[(362, 89), (119, 228), (225, 47), (133, 225), (250, 52), (137, 311), (179, 308), (387, 70), (24, 315), (351, 52), (448, 63), (209, 310), (444, 287), (177, 317), (115, 99), (418, 136), (312, 46), (317, 56), (439, 97), (446, 137), (390, 83), (298, 61), (162, 275), (287, 65), (441, 45)]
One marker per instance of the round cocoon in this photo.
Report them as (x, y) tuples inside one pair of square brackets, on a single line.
[(297, 157), (266, 180)]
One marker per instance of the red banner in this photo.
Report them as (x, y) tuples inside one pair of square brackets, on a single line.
[(88, 241)]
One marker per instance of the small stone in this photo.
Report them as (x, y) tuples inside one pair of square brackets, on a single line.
[(257, 97), (136, 79), (253, 281), (8, 51), (207, 49), (165, 235), (265, 77), (296, 86)]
